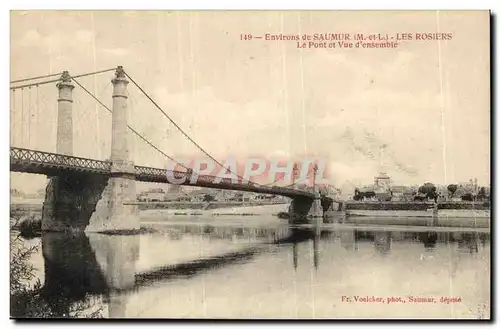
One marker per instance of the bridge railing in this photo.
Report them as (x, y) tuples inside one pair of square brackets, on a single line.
[(41, 162), (165, 175), (32, 157), (142, 171)]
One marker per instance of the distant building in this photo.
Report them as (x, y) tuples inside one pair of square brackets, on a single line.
[(262, 197), (382, 185), (382, 181), (240, 197), (402, 193), (152, 195), (398, 193), (204, 194)]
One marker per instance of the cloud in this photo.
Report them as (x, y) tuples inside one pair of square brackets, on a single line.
[(361, 172), (56, 42), (84, 36), (223, 128), (116, 51), (31, 38)]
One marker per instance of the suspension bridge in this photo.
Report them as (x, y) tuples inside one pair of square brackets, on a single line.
[(97, 195)]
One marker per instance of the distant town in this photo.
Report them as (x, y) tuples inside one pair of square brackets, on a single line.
[(383, 189)]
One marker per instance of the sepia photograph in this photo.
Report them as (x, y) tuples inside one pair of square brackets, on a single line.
[(250, 164)]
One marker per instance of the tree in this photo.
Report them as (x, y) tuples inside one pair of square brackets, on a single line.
[(482, 194), (326, 203), (429, 190), (452, 188)]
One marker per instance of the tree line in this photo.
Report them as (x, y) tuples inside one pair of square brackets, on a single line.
[(429, 191)]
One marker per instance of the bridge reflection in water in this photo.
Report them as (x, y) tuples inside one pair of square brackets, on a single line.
[(79, 266)]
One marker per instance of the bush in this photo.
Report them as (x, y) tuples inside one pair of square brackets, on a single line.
[(30, 301), (33, 303), (30, 228), (21, 271)]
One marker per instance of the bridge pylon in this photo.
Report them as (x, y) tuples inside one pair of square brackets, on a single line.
[(78, 201), (305, 209), (64, 144), (115, 210), (57, 207)]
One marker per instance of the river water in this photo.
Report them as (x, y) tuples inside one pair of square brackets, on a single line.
[(260, 267)]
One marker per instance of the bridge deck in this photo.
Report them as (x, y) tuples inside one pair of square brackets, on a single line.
[(53, 164)]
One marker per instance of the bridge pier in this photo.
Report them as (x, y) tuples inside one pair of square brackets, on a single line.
[(70, 201), (115, 211), (303, 210)]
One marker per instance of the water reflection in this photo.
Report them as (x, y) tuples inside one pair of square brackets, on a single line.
[(295, 255), (468, 242), (80, 265), (228, 232), (316, 249), (116, 256), (348, 239), (429, 239), (71, 270), (382, 242), (299, 235), (189, 269)]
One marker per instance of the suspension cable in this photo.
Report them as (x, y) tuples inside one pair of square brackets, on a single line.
[(93, 73), (181, 130), (22, 117), (59, 79), (29, 117), (277, 179), (34, 84), (132, 129), (13, 117), (37, 110), (36, 78)]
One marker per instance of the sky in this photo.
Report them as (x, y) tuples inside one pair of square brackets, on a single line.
[(425, 103)]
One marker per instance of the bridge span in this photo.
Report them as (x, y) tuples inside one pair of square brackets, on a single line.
[(95, 195), (53, 164)]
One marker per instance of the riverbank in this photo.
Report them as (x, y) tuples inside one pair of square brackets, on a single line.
[(440, 221), (385, 213), (267, 210), (197, 205), (377, 206), (445, 213), (29, 207)]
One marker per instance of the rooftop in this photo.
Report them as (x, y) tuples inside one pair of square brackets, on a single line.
[(382, 175)]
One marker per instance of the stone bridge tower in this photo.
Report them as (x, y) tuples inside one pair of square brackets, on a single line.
[(89, 201), (115, 211)]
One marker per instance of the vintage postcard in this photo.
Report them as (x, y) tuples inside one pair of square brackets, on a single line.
[(250, 164)]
